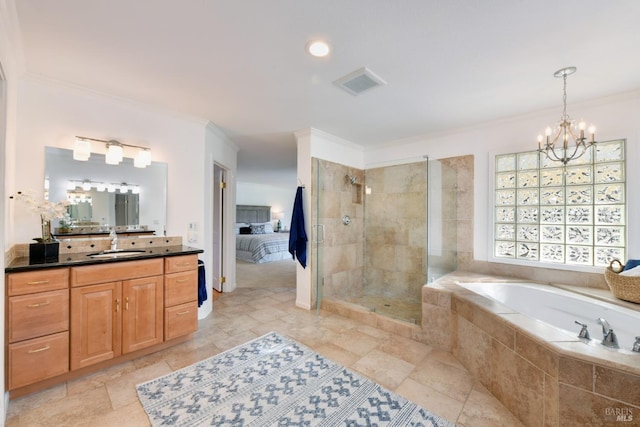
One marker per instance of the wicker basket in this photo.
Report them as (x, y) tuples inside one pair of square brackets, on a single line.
[(623, 287)]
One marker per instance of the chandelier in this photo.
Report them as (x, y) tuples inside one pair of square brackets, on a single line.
[(566, 141)]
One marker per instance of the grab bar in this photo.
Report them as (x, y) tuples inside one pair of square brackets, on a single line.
[(316, 239)]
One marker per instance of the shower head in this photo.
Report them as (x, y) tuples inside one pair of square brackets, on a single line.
[(352, 179)]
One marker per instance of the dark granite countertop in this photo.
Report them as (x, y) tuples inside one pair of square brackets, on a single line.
[(83, 258)]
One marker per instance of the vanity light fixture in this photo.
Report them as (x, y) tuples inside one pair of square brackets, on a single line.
[(143, 158), (566, 130), (101, 186), (115, 151), (86, 185), (318, 48), (81, 149), (111, 188)]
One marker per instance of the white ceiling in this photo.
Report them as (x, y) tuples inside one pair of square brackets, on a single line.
[(242, 64)]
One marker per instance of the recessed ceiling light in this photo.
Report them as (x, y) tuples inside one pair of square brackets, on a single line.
[(318, 48)]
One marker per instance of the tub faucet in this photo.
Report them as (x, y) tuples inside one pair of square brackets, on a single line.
[(609, 337), (584, 333), (114, 239)]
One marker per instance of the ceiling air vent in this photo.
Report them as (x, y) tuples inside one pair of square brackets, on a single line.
[(359, 81)]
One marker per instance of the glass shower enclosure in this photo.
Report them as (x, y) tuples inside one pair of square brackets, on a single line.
[(380, 234)]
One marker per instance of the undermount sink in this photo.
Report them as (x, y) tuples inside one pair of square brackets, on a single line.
[(116, 253)]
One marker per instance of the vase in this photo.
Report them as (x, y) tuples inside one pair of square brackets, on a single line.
[(43, 252), (46, 229)]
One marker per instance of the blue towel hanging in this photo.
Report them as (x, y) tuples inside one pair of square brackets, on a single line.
[(202, 284), (297, 233)]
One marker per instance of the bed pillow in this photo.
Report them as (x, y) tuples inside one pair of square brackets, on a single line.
[(239, 225), (261, 228), (244, 230)]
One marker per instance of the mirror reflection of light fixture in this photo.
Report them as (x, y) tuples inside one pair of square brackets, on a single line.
[(115, 151), (101, 186), (567, 130), (135, 189), (111, 188), (86, 185)]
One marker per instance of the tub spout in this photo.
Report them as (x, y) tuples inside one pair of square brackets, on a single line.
[(609, 337)]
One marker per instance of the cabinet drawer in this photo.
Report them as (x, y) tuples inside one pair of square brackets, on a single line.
[(176, 264), (180, 288), (37, 281), (180, 320), (115, 271), (39, 314), (38, 359)]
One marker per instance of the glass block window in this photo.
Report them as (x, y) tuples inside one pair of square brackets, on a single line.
[(574, 214)]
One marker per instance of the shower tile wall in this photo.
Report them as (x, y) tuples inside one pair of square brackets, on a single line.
[(395, 208), (343, 258)]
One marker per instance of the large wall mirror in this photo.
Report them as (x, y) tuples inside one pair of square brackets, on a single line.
[(104, 196)]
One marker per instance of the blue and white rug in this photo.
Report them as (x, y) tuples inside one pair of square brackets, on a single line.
[(275, 381)]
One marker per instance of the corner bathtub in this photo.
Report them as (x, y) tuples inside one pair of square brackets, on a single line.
[(561, 309)]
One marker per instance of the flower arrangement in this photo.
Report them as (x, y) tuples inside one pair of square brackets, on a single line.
[(47, 210)]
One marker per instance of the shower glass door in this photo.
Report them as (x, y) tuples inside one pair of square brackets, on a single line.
[(317, 233), (442, 238)]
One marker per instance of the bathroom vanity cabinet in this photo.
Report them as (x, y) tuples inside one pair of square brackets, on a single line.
[(37, 310), (68, 321), (115, 309)]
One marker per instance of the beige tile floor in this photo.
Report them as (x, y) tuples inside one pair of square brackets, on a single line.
[(430, 377)]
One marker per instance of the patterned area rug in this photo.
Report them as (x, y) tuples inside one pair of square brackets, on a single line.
[(274, 380)]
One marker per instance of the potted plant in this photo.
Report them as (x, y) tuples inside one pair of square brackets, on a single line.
[(46, 248)]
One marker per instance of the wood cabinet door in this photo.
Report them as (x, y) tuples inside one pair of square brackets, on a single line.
[(142, 315), (95, 324)]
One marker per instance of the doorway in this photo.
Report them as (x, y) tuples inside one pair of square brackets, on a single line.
[(219, 202)]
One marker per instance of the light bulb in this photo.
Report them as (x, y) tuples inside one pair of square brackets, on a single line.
[(114, 154), (318, 48), (81, 150)]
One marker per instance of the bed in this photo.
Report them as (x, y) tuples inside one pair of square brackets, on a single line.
[(256, 241)]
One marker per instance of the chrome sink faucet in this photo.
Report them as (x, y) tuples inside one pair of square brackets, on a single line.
[(609, 337), (114, 239)]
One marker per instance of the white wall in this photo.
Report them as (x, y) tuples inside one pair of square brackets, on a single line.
[(615, 117), (10, 67), (51, 114), (221, 151)]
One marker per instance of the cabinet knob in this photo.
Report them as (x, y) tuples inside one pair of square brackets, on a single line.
[(126, 303), (117, 305)]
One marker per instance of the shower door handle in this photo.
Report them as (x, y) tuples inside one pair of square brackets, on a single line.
[(317, 239)]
